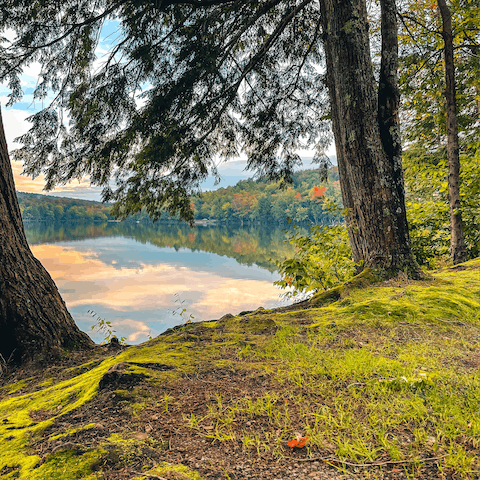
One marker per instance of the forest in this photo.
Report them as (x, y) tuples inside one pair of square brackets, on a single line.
[(46, 208), (303, 202), (251, 201)]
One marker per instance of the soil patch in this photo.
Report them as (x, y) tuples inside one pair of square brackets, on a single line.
[(176, 425)]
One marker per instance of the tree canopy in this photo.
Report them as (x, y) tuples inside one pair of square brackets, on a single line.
[(183, 83), (422, 77)]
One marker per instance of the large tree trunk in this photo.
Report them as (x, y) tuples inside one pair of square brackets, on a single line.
[(34, 320), (365, 126), (458, 249)]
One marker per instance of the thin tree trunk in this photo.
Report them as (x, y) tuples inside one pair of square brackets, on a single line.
[(458, 250), (34, 320), (365, 126)]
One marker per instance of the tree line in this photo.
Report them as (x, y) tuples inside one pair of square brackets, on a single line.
[(45, 208), (251, 201), (265, 202)]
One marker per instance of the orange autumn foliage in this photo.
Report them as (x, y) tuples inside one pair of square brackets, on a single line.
[(298, 443), (319, 192)]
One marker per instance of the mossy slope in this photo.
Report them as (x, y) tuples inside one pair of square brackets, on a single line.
[(383, 373)]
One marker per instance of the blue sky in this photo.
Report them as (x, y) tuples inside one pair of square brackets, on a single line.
[(15, 124)]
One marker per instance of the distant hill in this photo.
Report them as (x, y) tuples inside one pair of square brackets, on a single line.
[(257, 201), (261, 201), (53, 198), (36, 206)]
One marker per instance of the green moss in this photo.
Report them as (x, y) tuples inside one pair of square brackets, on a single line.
[(71, 431), (137, 409), (361, 365), (46, 383), (16, 422), (68, 465), (167, 468), (15, 387)]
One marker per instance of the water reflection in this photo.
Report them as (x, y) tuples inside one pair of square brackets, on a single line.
[(249, 245), (129, 274)]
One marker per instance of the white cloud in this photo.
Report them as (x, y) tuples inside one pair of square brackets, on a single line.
[(14, 123)]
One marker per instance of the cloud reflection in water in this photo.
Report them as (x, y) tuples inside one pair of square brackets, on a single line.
[(133, 284)]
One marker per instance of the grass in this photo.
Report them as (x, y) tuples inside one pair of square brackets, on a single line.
[(383, 373)]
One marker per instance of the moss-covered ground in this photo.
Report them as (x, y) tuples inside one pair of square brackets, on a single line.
[(382, 380)]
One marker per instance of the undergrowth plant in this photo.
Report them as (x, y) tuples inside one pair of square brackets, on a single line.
[(105, 328), (426, 184), (5, 363), (383, 381), (181, 310), (322, 260)]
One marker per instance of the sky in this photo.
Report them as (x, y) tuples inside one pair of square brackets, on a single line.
[(16, 124)]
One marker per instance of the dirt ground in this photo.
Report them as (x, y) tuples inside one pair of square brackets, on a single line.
[(161, 433)]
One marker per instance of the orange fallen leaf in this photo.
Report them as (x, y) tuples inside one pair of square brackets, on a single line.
[(298, 443)]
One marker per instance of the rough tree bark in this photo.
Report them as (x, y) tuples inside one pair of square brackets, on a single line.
[(458, 249), (34, 320), (366, 130)]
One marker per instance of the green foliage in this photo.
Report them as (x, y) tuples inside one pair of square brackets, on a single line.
[(422, 80), (181, 310), (57, 209), (427, 203), (106, 329), (248, 201), (422, 74), (212, 80), (261, 201), (322, 260)]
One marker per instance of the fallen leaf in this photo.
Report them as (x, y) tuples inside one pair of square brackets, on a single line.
[(298, 443)]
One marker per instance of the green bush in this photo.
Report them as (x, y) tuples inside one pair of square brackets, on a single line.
[(426, 175), (322, 260)]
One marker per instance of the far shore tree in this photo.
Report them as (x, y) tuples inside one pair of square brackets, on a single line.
[(188, 81)]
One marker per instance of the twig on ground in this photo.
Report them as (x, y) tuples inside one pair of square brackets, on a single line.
[(377, 464), (148, 475), (455, 322)]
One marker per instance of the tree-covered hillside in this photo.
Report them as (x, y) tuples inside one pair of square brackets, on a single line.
[(265, 202), (35, 206), (256, 201)]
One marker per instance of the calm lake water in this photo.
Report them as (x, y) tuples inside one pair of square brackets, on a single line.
[(139, 277)]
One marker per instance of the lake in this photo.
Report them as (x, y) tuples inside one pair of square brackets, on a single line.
[(141, 277)]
